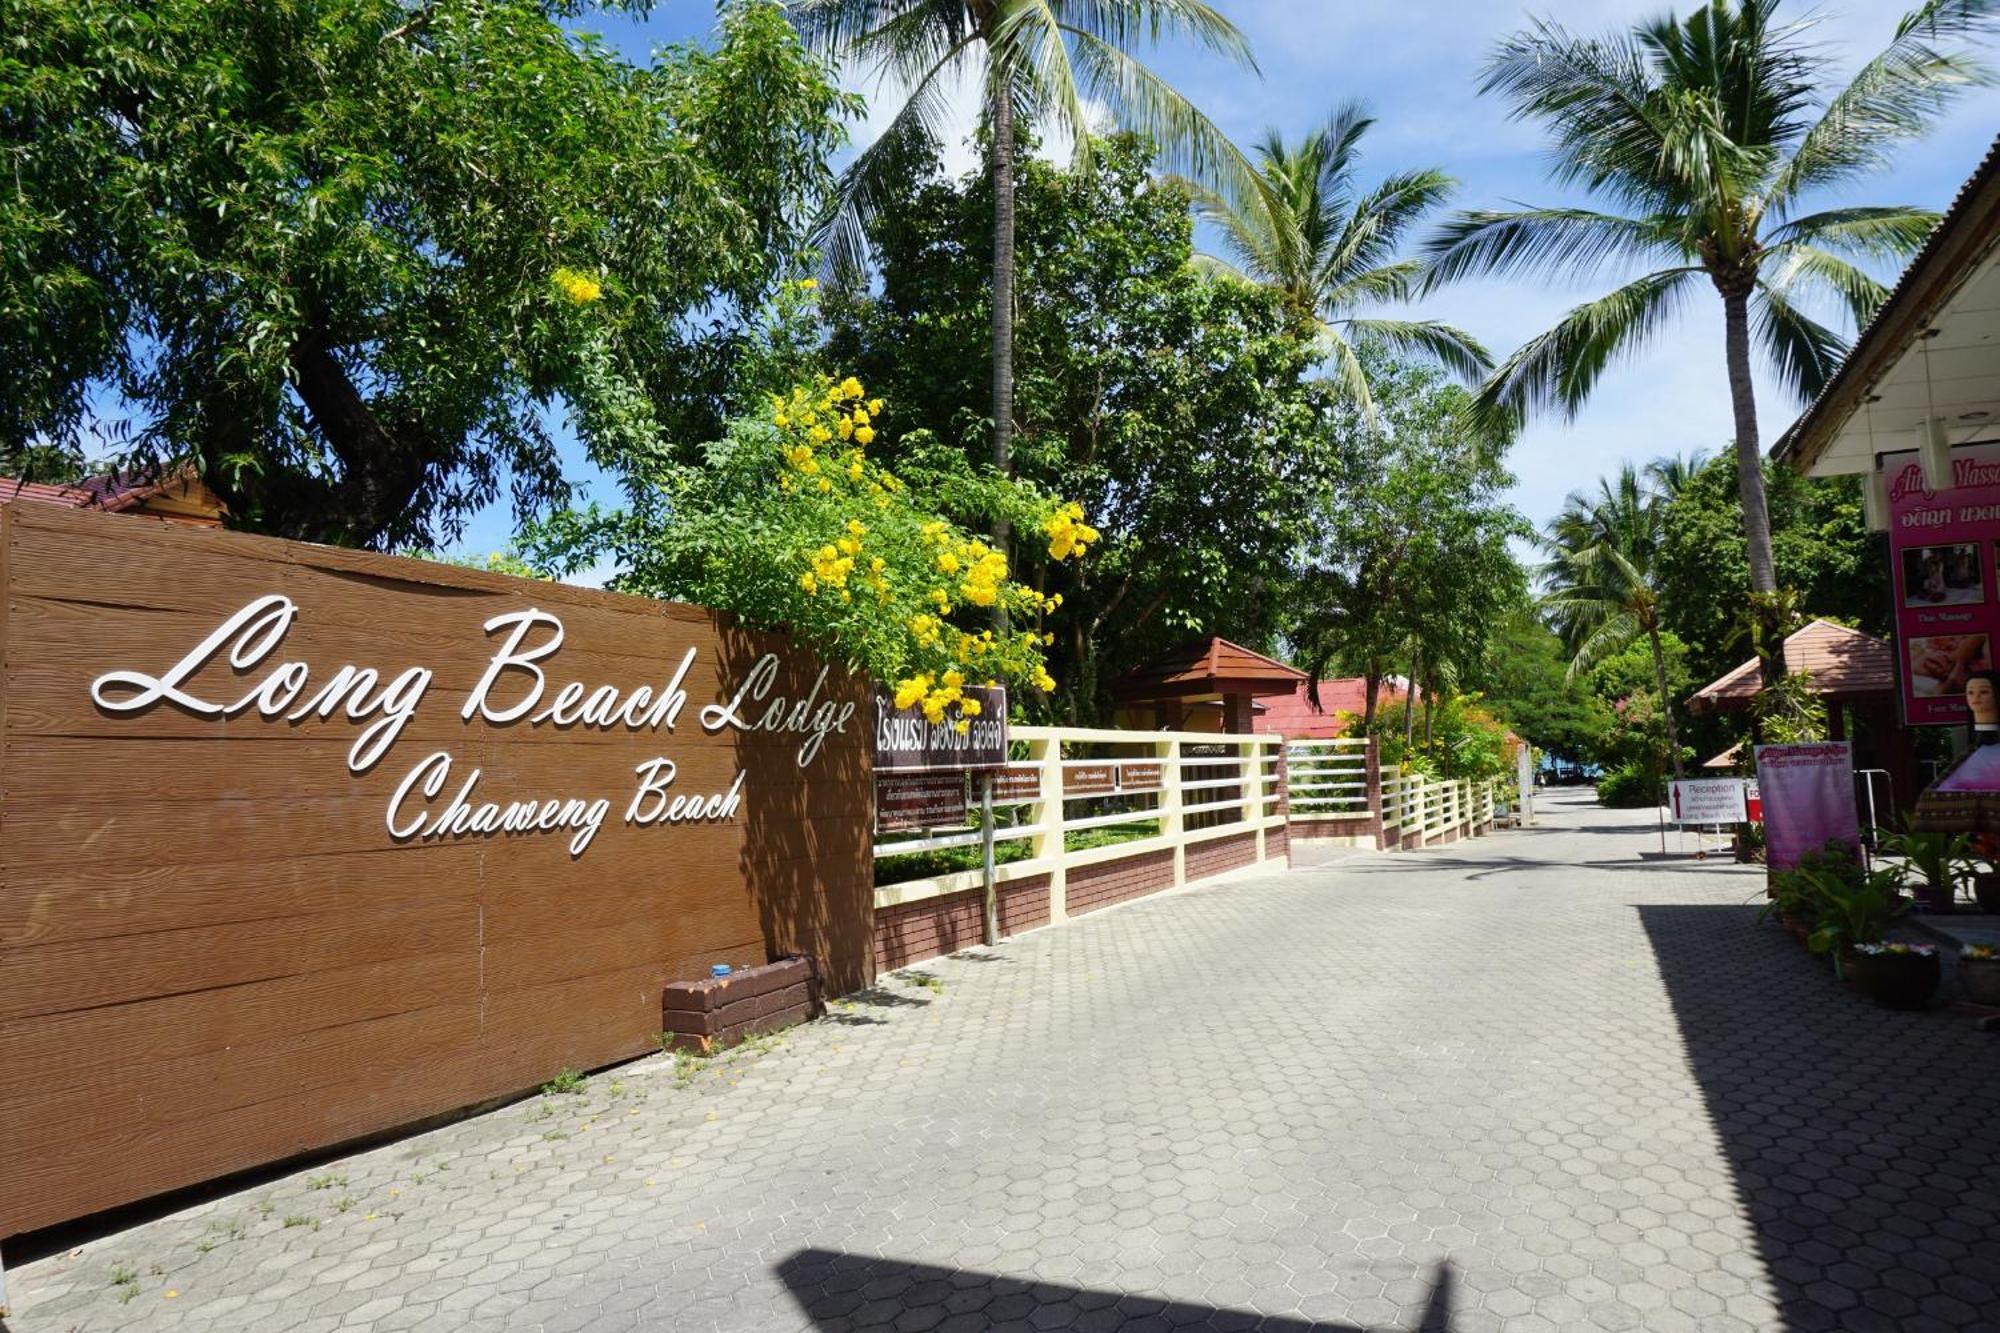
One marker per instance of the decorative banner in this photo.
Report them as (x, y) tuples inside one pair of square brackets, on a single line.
[(1090, 780), (1019, 783), (1808, 799), (905, 802), (907, 742), (1708, 801), (1140, 777), (1941, 552)]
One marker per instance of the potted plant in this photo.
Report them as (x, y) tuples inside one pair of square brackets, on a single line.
[(1792, 897), (1979, 969), (1895, 975), (1937, 861), (1852, 909)]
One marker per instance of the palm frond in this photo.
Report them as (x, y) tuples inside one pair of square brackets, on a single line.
[(1454, 349), (1124, 23), (1798, 266), (1805, 353), (1545, 242), (1894, 98), (1890, 231), (1375, 225), (1559, 368)]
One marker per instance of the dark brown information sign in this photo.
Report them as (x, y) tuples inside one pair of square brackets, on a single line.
[(1018, 784), (907, 742), (1090, 780), (905, 802), (1139, 777)]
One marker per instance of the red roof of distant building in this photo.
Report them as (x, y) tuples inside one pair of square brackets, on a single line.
[(124, 491), (1294, 715)]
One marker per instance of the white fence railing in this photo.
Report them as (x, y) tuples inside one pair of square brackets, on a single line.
[(1330, 780), (1099, 796)]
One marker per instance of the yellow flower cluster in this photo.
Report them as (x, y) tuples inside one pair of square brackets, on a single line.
[(578, 286), (836, 411), (1068, 534)]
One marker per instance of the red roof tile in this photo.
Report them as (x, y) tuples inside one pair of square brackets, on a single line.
[(1844, 662), (1294, 715), (1209, 666)]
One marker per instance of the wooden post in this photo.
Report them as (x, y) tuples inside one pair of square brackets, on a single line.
[(986, 857), (1172, 823), (1048, 843), (1254, 796)]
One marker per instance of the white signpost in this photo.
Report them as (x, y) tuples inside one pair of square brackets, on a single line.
[(1708, 801)]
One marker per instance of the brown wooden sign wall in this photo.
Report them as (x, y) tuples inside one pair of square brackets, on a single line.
[(298, 844)]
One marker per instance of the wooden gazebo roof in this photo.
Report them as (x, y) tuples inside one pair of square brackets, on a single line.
[(1208, 667), (1845, 664)]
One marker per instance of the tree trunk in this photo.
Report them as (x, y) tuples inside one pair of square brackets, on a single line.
[(1666, 704), (1410, 701), (1750, 484), (1003, 295), (1370, 693)]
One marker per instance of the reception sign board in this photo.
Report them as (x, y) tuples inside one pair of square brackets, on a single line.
[(1942, 550), (1707, 801), (299, 845), (1807, 791)]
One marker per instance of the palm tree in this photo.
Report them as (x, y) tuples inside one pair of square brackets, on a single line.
[(1311, 233), (1709, 134), (1598, 582), (1042, 60)]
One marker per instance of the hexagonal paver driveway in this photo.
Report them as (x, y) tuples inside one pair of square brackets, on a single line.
[(1538, 1081)]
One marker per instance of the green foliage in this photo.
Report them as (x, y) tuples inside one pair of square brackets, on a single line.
[(346, 255), (1175, 408), (1937, 860), (1455, 738), (1329, 246), (1820, 545), (1408, 566), (568, 1083), (1629, 671), (1630, 786), (1790, 712), (788, 522), (1528, 685)]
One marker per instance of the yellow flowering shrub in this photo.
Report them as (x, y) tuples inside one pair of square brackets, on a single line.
[(790, 522)]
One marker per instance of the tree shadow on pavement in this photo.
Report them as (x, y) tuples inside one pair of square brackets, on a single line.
[(1865, 1142), (843, 1292)]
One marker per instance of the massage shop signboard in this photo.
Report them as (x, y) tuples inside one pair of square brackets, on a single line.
[(301, 845), (1942, 548)]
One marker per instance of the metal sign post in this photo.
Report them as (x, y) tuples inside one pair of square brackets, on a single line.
[(986, 856)]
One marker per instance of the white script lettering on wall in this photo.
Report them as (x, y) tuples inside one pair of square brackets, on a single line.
[(431, 802)]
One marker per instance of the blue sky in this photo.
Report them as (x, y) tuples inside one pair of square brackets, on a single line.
[(1416, 62)]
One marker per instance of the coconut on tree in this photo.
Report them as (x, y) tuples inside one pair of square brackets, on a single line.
[(1311, 231), (1712, 136)]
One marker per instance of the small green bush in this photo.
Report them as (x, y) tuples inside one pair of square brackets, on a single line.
[(1628, 787)]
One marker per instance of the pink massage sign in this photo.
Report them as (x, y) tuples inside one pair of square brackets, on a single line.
[(1942, 554)]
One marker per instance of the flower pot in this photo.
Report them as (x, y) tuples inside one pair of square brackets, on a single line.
[(1987, 889), (1895, 980), (1799, 927), (1982, 979)]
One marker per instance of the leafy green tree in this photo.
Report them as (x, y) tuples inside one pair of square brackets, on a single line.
[(1527, 683), (1820, 544), (1600, 579), (1329, 246), (1174, 407), (1463, 739), (352, 256), (1712, 133), (1033, 61), (1407, 568)]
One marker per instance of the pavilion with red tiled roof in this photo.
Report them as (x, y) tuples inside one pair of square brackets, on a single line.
[(171, 497), (1203, 685), (1855, 674)]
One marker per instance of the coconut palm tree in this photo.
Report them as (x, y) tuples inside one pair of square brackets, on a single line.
[(1042, 60), (1710, 134), (1312, 233), (1598, 581)]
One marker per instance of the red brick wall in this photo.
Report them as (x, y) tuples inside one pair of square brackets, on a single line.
[(1108, 882), (911, 932), (1220, 854), (1357, 826), (1278, 843)]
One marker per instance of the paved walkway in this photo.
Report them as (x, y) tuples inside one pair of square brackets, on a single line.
[(1532, 1082)]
